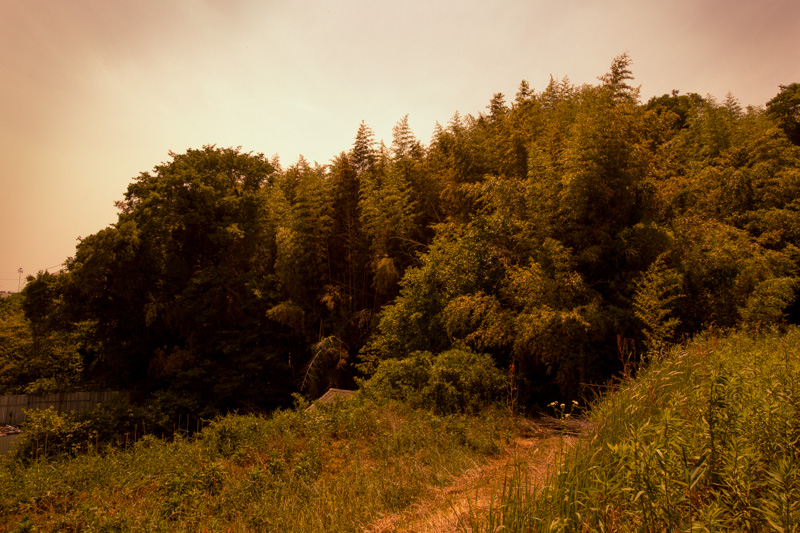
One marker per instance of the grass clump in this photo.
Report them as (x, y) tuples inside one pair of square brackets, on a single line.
[(336, 468), (706, 439)]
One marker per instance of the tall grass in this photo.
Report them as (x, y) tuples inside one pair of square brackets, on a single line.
[(706, 439), (336, 468)]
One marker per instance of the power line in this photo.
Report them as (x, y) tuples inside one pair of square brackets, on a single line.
[(42, 270)]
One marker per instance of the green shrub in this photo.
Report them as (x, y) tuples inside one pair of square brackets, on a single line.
[(115, 422), (453, 381), (401, 379), (232, 434), (50, 433), (463, 381)]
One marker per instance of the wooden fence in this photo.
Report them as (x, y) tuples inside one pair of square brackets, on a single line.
[(12, 408)]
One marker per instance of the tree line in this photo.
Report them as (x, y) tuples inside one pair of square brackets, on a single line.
[(565, 234)]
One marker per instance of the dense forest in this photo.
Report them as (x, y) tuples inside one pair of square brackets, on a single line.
[(565, 234)]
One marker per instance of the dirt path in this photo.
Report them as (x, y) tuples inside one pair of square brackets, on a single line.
[(471, 494)]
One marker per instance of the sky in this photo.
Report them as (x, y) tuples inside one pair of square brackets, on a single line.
[(94, 92)]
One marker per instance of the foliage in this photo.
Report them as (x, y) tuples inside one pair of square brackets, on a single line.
[(531, 232), (656, 292), (47, 433), (15, 344), (454, 381), (785, 110), (629, 222), (34, 357)]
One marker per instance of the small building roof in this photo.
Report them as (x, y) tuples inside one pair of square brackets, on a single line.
[(331, 395)]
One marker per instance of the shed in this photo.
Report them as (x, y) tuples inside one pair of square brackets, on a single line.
[(331, 395)]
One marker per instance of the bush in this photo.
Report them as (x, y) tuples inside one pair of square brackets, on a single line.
[(232, 434), (453, 381), (400, 379), (115, 422), (50, 433)]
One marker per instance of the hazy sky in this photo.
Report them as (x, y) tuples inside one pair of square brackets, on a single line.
[(94, 92)]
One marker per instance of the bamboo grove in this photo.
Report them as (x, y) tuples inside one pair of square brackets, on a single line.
[(564, 234)]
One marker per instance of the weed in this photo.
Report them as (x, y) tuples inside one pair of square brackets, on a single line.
[(336, 468), (704, 439)]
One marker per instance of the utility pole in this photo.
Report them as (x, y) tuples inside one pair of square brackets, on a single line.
[(19, 283)]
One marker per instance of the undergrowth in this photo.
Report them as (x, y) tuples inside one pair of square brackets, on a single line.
[(705, 439), (336, 468)]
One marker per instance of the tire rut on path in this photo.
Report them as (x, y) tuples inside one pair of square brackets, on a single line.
[(444, 509)]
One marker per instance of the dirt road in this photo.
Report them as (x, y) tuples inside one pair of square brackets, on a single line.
[(469, 496)]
